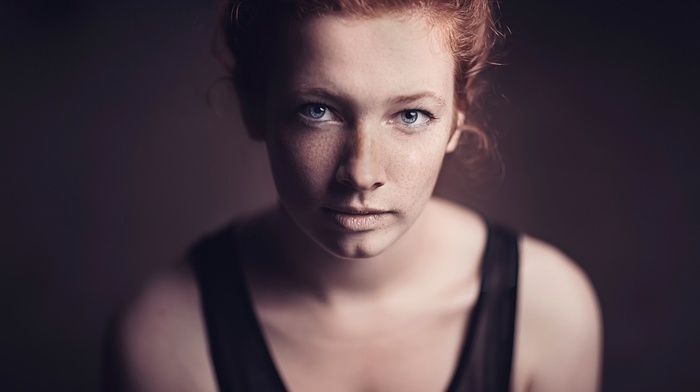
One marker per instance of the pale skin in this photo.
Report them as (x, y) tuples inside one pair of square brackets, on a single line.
[(361, 119)]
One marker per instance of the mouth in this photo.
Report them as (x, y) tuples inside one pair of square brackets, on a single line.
[(357, 219), (356, 210)]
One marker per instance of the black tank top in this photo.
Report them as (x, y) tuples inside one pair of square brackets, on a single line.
[(242, 360)]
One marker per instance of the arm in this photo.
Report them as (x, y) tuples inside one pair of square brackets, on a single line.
[(560, 322), (158, 343)]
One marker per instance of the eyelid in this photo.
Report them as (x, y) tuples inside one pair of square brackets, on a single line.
[(308, 121), (430, 118), (303, 107)]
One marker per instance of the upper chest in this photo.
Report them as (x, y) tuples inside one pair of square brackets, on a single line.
[(368, 350)]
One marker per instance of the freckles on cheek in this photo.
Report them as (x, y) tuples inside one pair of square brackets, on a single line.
[(416, 171), (311, 160)]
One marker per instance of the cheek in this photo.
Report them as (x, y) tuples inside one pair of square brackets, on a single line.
[(303, 164), (417, 168)]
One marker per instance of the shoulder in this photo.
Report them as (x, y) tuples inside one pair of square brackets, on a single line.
[(559, 321), (157, 341), (556, 292)]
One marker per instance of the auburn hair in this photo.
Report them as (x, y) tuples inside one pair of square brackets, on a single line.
[(253, 29)]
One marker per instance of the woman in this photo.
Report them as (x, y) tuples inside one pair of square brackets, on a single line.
[(360, 280)]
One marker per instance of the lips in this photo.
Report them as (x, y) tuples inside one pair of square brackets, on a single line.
[(357, 219)]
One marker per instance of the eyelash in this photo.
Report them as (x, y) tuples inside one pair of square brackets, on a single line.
[(310, 121), (431, 117)]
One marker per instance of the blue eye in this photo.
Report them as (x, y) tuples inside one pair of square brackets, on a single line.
[(314, 111), (409, 116), (414, 118)]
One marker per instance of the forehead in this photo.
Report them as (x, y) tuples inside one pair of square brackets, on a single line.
[(373, 57)]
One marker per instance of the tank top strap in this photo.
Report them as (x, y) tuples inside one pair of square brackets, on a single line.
[(486, 363), (237, 347), (501, 256)]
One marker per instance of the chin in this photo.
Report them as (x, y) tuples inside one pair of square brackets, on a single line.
[(357, 245)]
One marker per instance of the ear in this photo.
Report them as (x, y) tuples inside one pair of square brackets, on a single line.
[(456, 133)]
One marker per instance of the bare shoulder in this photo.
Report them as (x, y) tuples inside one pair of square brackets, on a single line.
[(555, 285), (157, 342), (559, 321)]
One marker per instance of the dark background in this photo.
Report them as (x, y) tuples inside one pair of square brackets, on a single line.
[(111, 162)]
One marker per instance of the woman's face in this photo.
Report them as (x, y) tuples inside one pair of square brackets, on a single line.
[(359, 118)]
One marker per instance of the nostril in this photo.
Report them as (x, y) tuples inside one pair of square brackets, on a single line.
[(361, 174)]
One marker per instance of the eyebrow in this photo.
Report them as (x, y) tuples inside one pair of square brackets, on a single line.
[(397, 100), (319, 91), (404, 99)]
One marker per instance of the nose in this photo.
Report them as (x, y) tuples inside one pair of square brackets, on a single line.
[(362, 168)]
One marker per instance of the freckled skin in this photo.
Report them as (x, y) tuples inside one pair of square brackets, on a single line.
[(364, 157)]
